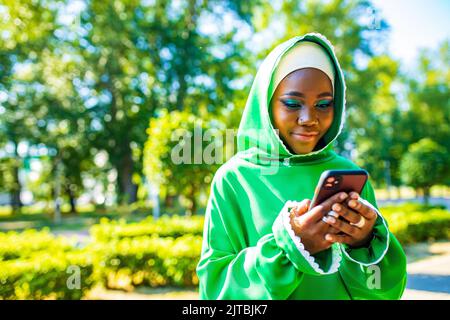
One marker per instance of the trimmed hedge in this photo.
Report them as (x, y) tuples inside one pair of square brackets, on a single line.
[(148, 261), (37, 265), (175, 226), (412, 223), (14, 245), (46, 276)]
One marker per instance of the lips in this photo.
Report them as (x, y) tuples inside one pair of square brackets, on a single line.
[(304, 136)]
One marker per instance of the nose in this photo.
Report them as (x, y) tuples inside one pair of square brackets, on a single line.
[(307, 116)]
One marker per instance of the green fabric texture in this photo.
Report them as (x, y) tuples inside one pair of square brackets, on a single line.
[(249, 250)]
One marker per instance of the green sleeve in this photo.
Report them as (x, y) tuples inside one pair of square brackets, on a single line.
[(377, 271), (271, 269)]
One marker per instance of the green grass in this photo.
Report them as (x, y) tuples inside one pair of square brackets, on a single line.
[(69, 221)]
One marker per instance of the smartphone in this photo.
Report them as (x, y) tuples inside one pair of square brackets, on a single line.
[(335, 181)]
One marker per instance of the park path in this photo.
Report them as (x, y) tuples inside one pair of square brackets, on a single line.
[(433, 201), (429, 277)]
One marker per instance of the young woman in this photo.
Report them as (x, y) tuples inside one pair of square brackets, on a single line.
[(260, 240)]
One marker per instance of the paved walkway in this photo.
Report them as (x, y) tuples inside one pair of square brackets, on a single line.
[(429, 272), (433, 201)]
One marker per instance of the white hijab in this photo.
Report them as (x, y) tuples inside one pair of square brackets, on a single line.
[(304, 54)]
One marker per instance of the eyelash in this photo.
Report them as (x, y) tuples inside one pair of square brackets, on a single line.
[(295, 106)]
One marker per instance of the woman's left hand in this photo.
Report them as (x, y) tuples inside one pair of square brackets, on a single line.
[(358, 224)]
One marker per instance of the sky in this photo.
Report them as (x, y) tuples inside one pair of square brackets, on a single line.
[(415, 24)]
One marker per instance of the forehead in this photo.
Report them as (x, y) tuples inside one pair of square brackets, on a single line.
[(306, 80)]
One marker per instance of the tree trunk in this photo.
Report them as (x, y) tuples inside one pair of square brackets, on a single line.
[(426, 195), (168, 201), (399, 192), (181, 95), (72, 199), (193, 209), (127, 189), (16, 202), (194, 206)]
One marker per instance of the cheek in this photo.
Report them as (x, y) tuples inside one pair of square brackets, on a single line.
[(327, 120), (280, 117)]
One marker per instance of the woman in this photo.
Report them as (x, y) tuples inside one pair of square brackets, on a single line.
[(260, 240)]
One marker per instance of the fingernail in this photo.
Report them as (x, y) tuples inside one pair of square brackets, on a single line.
[(328, 237), (352, 203), (330, 219), (343, 196), (336, 207)]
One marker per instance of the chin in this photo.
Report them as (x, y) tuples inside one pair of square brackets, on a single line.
[(303, 148), (303, 151)]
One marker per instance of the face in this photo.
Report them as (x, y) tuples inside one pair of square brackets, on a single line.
[(302, 109)]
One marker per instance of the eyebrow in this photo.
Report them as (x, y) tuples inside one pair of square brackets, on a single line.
[(301, 95)]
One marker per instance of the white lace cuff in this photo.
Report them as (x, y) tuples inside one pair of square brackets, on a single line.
[(380, 243), (335, 251)]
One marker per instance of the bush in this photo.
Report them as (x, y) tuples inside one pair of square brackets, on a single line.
[(424, 165), (175, 226), (150, 261), (412, 223), (46, 276), (35, 265), (14, 245)]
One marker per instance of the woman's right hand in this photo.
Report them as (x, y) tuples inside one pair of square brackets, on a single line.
[(308, 225)]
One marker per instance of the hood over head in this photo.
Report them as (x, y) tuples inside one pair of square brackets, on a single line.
[(257, 139)]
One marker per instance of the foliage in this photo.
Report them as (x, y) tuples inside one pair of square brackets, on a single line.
[(176, 226), (183, 152), (424, 165), (142, 57), (149, 261), (36, 265), (14, 245), (412, 223), (45, 276), (79, 80)]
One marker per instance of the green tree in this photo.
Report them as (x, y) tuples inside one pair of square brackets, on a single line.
[(381, 142), (429, 97), (182, 153), (26, 29), (64, 124), (142, 57), (424, 165)]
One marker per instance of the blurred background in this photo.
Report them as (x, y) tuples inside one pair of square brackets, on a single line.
[(92, 205)]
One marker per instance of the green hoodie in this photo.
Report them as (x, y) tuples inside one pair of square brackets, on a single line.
[(249, 249)]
